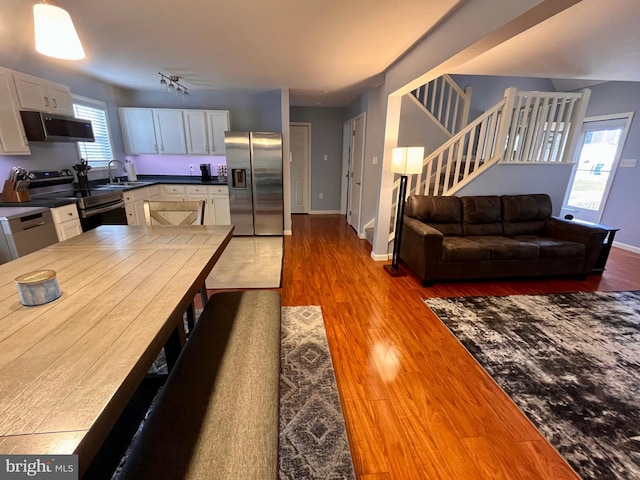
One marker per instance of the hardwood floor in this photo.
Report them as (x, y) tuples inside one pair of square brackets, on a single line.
[(416, 404)]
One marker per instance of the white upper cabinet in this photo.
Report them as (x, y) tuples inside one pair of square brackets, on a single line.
[(197, 134), (174, 132), (12, 138), (170, 132), (41, 95), (138, 130), (217, 124)]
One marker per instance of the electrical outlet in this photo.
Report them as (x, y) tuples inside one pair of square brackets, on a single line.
[(321, 196), (628, 162), (191, 167)]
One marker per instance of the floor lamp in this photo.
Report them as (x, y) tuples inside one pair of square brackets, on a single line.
[(405, 161)]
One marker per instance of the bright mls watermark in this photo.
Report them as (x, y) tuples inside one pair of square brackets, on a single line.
[(49, 467)]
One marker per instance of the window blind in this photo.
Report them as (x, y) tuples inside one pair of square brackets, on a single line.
[(100, 152)]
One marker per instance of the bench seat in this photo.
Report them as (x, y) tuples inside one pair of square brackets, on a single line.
[(217, 417)]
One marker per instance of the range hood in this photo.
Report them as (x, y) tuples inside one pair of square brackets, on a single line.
[(46, 127)]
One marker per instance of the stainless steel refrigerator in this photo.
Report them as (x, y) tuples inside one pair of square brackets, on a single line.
[(254, 168)]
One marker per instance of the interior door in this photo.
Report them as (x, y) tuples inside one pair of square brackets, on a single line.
[(598, 155), (300, 148), (346, 162), (355, 172)]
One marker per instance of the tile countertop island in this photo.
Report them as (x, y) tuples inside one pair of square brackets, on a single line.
[(68, 368)]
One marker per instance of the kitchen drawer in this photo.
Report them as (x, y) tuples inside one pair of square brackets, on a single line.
[(173, 189), (197, 190), (65, 213), (223, 190)]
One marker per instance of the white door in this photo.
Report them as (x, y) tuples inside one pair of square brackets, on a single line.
[(195, 123), (138, 130), (300, 159), (598, 155), (346, 161), (355, 172), (217, 123)]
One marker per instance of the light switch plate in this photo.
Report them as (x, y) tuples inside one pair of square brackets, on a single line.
[(374, 160), (628, 162)]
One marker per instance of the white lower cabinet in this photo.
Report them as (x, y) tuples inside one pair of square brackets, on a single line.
[(216, 210), (66, 221), (134, 203)]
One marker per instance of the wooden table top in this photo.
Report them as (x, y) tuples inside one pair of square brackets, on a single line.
[(68, 368)]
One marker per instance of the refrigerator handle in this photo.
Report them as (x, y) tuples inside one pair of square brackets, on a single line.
[(239, 177)]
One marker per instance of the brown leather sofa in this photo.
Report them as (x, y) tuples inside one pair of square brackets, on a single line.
[(476, 237)]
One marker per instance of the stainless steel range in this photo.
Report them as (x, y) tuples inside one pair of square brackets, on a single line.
[(95, 207)]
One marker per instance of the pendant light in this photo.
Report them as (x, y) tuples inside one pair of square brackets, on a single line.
[(55, 34)]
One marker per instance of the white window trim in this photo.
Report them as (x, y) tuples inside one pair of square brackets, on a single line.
[(92, 102)]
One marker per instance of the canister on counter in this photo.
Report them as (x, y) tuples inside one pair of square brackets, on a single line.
[(38, 287)]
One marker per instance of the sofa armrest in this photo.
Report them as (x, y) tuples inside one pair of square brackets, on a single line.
[(591, 237), (421, 245)]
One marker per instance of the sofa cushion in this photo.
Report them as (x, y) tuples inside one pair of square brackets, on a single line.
[(505, 248), (481, 215), (442, 213), (458, 249), (554, 248), (525, 214)]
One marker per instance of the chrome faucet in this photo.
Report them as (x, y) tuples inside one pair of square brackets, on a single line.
[(109, 168)]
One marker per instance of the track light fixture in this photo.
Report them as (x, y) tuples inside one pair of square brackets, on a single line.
[(172, 85)]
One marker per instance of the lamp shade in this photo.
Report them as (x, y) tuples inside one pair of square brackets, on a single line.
[(55, 34), (407, 160)]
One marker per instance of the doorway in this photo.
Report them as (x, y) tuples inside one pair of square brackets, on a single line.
[(598, 155), (346, 163), (355, 172), (300, 134)]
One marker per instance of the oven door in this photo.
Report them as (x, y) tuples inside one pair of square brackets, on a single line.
[(107, 215)]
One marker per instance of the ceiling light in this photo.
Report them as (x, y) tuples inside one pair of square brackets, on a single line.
[(173, 85), (55, 34)]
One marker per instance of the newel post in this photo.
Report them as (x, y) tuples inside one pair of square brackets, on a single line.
[(510, 95)]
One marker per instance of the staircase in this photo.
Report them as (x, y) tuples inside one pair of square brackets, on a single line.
[(523, 127)]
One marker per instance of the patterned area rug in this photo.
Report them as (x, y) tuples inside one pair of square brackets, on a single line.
[(313, 439), (570, 362)]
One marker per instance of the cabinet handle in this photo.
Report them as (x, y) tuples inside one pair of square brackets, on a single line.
[(46, 101), (70, 214), (55, 103)]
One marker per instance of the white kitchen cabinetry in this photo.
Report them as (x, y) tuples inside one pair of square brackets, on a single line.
[(216, 210), (205, 131), (173, 132), (170, 131), (138, 130), (66, 221), (217, 124), (12, 137), (134, 203), (42, 95)]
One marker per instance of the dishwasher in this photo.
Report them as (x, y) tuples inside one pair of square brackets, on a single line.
[(25, 230)]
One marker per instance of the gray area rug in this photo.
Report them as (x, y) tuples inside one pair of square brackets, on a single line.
[(570, 362), (313, 439)]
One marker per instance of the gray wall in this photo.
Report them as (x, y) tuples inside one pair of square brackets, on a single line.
[(622, 208), (326, 139), (417, 129)]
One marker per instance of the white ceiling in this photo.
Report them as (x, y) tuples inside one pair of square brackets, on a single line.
[(324, 51)]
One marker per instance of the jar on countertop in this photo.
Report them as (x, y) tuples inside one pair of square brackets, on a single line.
[(38, 287)]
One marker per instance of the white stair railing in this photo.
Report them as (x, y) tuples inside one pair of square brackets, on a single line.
[(445, 102), (531, 127)]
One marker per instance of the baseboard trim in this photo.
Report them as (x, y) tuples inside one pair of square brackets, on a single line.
[(288, 232), (380, 258), (624, 246), (362, 236), (324, 212)]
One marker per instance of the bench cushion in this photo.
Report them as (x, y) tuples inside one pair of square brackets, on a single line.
[(217, 418), (442, 213), (554, 248)]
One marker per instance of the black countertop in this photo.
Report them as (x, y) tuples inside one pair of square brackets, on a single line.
[(150, 179)]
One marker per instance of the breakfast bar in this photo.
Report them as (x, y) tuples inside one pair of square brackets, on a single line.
[(69, 367)]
